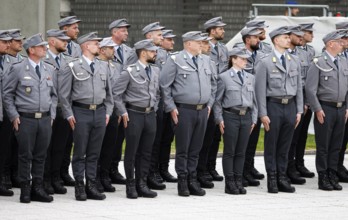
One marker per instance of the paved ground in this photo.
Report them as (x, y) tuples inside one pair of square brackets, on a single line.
[(307, 203)]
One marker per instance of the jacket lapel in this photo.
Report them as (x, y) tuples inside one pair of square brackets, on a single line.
[(329, 61), (235, 77), (86, 67), (278, 64)]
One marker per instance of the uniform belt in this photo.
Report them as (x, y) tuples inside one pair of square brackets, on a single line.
[(193, 107), (333, 104), (140, 109), (36, 115), (240, 112), (86, 106), (283, 101)]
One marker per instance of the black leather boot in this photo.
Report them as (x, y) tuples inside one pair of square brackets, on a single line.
[(106, 182), (182, 185), (194, 186), (163, 170), (48, 186), (250, 179), (230, 186), (16, 183), (38, 193), (158, 176), (272, 185), (304, 172), (293, 174), (98, 184), (284, 185), (154, 183), (115, 175), (204, 182), (323, 181), (67, 179), (245, 182), (4, 191), (334, 179), (58, 186), (239, 184), (216, 176), (342, 175), (80, 191), (25, 192), (92, 191), (131, 189), (256, 174), (143, 190)]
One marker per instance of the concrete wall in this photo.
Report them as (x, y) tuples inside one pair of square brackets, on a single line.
[(31, 16)]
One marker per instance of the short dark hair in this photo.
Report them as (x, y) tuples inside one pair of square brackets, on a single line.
[(138, 51), (230, 64), (244, 38)]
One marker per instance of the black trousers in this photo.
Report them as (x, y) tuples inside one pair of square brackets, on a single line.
[(156, 149), (166, 141), (140, 135), (120, 137), (33, 139), (109, 143), (56, 149), (329, 137), (214, 148), (6, 132), (189, 139), (251, 147), (299, 139), (88, 138), (278, 138), (236, 136), (344, 146), (67, 153)]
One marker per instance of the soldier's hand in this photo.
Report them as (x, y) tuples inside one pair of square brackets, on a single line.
[(265, 121), (119, 119), (107, 119), (252, 127), (346, 115), (305, 109), (51, 122), (320, 116), (16, 123), (222, 127), (125, 120), (209, 110), (174, 113), (72, 122), (298, 119)]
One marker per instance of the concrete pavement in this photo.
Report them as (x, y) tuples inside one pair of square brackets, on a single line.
[(307, 203)]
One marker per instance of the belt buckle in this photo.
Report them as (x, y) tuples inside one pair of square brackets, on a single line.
[(242, 112), (199, 107), (38, 115), (285, 101), (92, 107), (148, 110), (339, 104)]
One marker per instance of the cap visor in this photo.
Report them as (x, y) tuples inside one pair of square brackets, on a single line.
[(64, 38), (42, 43), (6, 38), (169, 36)]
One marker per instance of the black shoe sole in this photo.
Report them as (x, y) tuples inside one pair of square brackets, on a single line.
[(186, 194)]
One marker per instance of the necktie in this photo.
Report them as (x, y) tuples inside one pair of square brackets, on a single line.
[(336, 63), (1, 59), (194, 59), (69, 48), (239, 73), (253, 55), (57, 61), (92, 66), (282, 58), (216, 49), (119, 52), (148, 72), (37, 69)]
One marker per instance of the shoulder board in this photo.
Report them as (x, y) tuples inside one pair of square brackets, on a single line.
[(266, 43), (174, 53), (49, 64), (264, 55), (309, 46), (131, 67), (17, 62), (23, 56), (111, 63)]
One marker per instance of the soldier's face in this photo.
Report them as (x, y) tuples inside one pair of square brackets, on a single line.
[(121, 34), (307, 37), (254, 42), (206, 47), (296, 40), (4, 46), (345, 42), (156, 36), (196, 47), (60, 45), (150, 56), (93, 47), (72, 31), (218, 33), (262, 35), (239, 62), (283, 41), (168, 44), (39, 51), (108, 52), (16, 45)]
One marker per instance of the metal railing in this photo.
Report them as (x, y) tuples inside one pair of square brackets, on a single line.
[(255, 12)]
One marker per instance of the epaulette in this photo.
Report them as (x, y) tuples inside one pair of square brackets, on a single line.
[(266, 43), (49, 64), (174, 53), (130, 67), (17, 62), (264, 55)]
